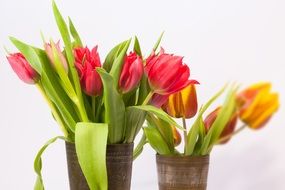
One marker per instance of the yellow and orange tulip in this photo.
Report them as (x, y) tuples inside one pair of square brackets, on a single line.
[(176, 136), (257, 104), (182, 104)]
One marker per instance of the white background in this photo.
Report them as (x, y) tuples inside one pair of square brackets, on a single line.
[(222, 40)]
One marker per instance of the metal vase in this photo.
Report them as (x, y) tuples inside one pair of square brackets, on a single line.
[(182, 172), (119, 160)]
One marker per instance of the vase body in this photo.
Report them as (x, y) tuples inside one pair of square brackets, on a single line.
[(182, 172), (119, 159)]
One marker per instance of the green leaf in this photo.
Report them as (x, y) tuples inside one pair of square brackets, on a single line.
[(130, 98), (159, 113), (156, 141), (110, 58), (201, 137), (164, 128), (219, 124), (193, 133), (139, 148), (137, 47), (69, 53), (62, 107), (29, 54), (114, 108), (74, 33), (54, 91), (144, 90), (38, 163), (65, 82), (118, 64), (64, 33), (90, 143), (158, 42), (55, 112), (134, 121)]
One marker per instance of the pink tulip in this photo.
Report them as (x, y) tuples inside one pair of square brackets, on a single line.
[(49, 51), (23, 68), (132, 73), (86, 62)]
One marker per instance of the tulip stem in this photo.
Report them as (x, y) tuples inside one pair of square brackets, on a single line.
[(185, 134), (148, 97), (55, 113), (232, 134), (94, 105)]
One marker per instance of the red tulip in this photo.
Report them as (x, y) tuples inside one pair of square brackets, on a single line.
[(23, 68), (167, 74), (229, 128), (50, 53), (86, 62), (132, 73)]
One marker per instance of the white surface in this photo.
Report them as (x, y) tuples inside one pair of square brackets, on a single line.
[(222, 41)]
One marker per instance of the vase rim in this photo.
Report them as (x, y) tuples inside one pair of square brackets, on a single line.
[(183, 156)]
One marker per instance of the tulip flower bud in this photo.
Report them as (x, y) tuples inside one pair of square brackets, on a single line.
[(257, 104), (132, 73), (182, 104), (167, 74), (49, 48), (229, 128), (23, 68), (86, 62), (176, 136)]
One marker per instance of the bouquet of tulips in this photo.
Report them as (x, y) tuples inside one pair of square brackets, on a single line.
[(97, 104), (254, 106)]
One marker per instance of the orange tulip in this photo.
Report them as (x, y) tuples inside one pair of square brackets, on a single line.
[(257, 104), (176, 136), (182, 104)]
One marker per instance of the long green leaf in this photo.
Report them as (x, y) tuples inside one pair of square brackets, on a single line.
[(160, 114), (156, 141), (114, 108), (118, 64), (90, 143), (39, 185), (193, 133), (74, 33), (201, 137), (139, 148), (65, 82), (220, 122), (158, 42), (134, 121), (144, 90), (164, 128), (111, 56), (137, 47), (29, 54), (69, 53), (55, 92)]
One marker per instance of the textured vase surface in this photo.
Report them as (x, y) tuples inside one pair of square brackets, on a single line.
[(119, 159), (182, 172)]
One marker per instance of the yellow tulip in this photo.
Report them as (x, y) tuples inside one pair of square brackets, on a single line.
[(257, 104), (182, 104)]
